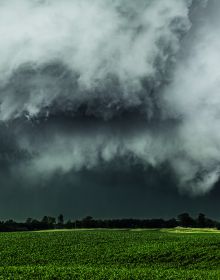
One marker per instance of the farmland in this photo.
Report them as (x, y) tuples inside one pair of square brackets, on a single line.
[(110, 254)]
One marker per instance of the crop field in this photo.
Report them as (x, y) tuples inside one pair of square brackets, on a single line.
[(110, 254)]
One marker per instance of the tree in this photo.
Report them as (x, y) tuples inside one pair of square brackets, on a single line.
[(48, 222), (69, 224), (201, 220), (185, 220), (171, 223), (29, 221), (88, 222), (60, 219)]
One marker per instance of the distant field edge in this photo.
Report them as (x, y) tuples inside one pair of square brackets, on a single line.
[(169, 230)]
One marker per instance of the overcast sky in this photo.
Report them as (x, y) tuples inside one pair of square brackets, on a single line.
[(109, 108)]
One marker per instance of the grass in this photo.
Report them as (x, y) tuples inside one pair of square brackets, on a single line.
[(111, 254), (192, 230)]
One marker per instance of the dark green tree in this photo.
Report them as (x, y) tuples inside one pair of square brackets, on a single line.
[(29, 221), (69, 224), (185, 220), (48, 222), (60, 219), (201, 220), (88, 222)]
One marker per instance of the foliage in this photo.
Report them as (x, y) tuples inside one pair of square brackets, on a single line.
[(110, 254), (184, 220)]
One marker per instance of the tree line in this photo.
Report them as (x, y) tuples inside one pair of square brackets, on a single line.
[(48, 222)]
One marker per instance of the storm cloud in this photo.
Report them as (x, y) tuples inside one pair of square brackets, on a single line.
[(90, 86)]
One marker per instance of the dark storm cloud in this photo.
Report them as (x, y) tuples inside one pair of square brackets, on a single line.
[(95, 90), (105, 194)]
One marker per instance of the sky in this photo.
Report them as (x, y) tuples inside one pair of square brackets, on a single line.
[(109, 108)]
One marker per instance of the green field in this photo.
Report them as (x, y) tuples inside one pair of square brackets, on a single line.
[(110, 254)]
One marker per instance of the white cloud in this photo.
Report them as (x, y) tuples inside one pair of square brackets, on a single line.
[(95, 40)]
